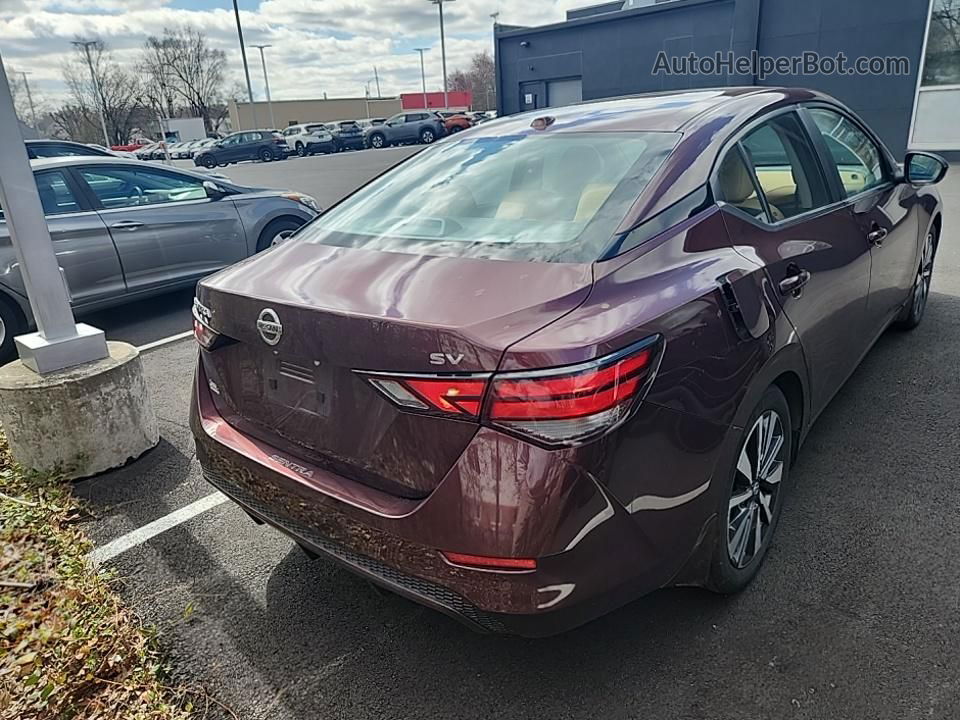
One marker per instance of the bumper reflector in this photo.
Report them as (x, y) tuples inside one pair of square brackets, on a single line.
[(483, 562)]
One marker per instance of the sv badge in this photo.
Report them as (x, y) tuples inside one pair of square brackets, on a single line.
[(445, 359)]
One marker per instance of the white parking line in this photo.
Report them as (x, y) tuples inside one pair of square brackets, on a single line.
[(165, 341), (151, 530)]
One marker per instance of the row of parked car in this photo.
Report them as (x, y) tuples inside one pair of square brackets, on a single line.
[(311, 138)]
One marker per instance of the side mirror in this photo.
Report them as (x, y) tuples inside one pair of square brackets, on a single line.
[(922, 168), (213, 191)]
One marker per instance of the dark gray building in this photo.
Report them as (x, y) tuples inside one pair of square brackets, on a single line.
[(614, 49)]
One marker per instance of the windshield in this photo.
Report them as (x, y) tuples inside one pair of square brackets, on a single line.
[(555, 198)]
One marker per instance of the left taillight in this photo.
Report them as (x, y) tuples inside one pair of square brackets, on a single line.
[(557, 406), (205, 335)]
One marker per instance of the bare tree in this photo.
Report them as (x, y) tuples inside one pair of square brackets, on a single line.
[(480, 79), (942, 64), (185, 74), (117, 93)]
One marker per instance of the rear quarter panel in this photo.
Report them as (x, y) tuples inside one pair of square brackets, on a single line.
[(661, 464)]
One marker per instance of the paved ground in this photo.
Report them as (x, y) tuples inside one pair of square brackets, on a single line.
[(855, 615)]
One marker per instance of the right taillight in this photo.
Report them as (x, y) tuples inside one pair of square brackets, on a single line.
[(575, 403), (553, 407)]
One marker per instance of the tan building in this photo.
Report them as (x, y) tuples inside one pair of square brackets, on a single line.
[(293, 112)]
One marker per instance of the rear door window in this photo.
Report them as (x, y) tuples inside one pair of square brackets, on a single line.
[(786, 167), (530, 196), (56, 196)]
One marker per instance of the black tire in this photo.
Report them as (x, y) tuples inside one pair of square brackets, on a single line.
[(265, 155), (428, 136), (284, 225), (912, 314), (761, 497), (455, 129), (11, 324), (301, 150), (378, 141), (208, 161)]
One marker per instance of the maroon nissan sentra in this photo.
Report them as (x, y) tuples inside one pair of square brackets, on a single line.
[(566, 358)]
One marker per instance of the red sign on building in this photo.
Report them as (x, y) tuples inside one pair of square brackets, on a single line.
[(415, 101)]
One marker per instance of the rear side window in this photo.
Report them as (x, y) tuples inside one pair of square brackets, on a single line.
[(735, 185), (55, 194), (786, 168), (555, 198), (857, 157)]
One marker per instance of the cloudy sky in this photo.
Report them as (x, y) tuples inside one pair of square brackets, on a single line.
[(318, 45)]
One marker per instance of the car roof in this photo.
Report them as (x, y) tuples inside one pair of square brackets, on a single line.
[(53, 141), (69, 160), (655, 112)]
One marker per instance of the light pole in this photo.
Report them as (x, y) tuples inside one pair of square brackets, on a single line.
[(443, 52), (266, 83), (33, 110), (86, 45), (246, 68), (423, 76)]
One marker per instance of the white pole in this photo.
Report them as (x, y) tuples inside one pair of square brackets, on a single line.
[(266, 84), (423, 78), (58, 344)]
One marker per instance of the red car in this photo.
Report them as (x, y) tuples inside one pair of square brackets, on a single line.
[(531, 374)]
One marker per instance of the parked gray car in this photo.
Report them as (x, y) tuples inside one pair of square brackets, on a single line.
[(124, 229), (411, 127)]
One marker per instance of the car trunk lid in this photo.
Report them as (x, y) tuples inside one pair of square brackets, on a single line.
[(343, 310)]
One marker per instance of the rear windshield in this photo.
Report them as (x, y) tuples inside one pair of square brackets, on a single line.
[(312, 128), (554, 198)]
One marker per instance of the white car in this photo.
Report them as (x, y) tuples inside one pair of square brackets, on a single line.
[(309, 138)]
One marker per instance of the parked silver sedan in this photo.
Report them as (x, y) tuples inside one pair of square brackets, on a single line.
[(125, 229)]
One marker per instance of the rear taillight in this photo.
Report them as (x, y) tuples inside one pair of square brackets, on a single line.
[(205, 335), (456, 396), (571, 404), (559, 406)]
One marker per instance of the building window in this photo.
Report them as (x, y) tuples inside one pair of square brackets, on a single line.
[(942, 62)]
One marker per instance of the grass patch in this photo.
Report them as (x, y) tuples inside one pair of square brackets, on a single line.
[(69, 648)]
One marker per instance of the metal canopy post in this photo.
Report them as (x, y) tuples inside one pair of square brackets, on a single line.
[(60, 342)]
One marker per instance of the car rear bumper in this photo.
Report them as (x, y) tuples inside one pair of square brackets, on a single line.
[(351, 143), (591, 554), (326, 146)]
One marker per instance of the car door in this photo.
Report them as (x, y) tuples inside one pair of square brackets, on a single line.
[(788, 220), (393, 128), (886, 211), (230, 149), (166, 230), (81, 242)]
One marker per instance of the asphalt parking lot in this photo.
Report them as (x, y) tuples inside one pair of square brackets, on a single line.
[(855, 615)]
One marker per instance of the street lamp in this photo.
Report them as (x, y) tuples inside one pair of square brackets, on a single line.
[(443, 51), (266, 83), (246, 68), (423, 77), (86, 45)]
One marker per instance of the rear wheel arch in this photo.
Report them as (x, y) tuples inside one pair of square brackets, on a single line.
[(791, 386)]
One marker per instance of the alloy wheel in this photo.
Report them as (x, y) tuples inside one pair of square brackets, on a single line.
[(756, 489), (921, 287), (376, 141), (301, 150), (427, 137), (280, 237)]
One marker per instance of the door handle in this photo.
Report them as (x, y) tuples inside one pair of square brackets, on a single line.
[(794, 282), (127, 225), (877, 235)]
